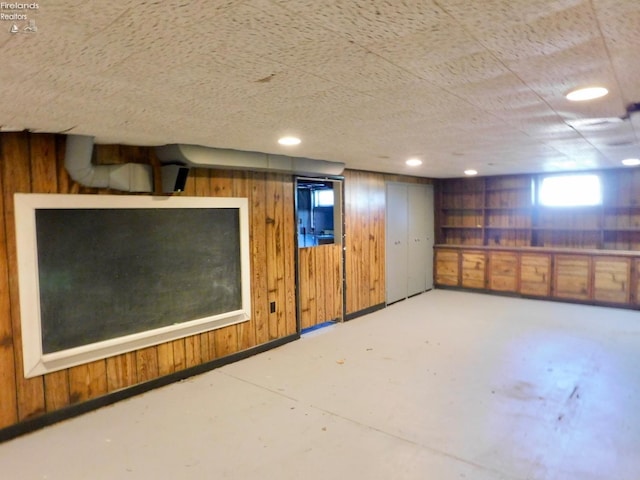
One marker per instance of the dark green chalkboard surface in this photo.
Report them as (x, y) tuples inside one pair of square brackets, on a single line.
[(107, 273)]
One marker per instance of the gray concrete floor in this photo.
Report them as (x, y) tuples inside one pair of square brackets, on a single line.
[(445, 385)]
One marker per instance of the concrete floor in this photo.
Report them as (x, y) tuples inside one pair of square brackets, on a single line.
[(446, 385)]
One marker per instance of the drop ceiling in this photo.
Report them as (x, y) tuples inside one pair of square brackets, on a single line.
[(459, 84)]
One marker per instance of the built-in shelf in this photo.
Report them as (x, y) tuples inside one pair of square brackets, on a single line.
[(501, 206)]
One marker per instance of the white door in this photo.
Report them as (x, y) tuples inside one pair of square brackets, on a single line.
[(396, 242), (417, 239), (430, 238)]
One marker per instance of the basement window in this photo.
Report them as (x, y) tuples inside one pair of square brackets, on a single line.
[(570, 191)]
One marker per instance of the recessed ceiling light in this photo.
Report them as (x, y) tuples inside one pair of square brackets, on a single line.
[(470, 172), (414, 162), (289, 141), (588, 93), (631, 162)]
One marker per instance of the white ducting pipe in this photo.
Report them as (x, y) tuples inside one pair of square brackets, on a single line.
[(209, 157), (128, 177)]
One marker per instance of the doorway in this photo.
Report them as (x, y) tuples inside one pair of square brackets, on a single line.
[(320, 259)]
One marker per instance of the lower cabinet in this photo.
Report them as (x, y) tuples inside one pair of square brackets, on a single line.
[(612, 280), (535, 274), (503, 271), (572, 279), (593, 276), (473, 269), (447, 268)]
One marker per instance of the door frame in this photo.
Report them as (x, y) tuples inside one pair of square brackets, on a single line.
[(336, 180)]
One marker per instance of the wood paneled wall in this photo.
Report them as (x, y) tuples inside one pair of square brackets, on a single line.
[(320, 284), (364, 205), (365, 194), (34, 163)]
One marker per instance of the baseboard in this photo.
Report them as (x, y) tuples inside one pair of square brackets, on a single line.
[(71, 411), (360, 313)]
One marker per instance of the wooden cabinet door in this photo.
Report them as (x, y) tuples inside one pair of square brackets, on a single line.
[(612, 279), (447, 269), (473, 269), (503, 271), (535, 274), (572, 277)]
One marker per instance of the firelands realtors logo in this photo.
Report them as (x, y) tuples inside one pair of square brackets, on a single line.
[(19, 16)]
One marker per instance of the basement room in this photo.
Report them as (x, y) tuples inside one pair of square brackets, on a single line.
[(284, 239)]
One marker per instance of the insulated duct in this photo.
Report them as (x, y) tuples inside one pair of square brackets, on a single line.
[(128, 177), (208, 157)]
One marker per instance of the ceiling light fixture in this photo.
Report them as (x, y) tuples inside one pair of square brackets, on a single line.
[(470, 172), (631, 162), (588, 93), (414, 162), (289, 141)]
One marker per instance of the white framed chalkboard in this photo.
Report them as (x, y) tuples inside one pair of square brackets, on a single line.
[(101, 275)]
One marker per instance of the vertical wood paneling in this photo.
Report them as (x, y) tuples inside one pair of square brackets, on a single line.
[(87, 381), (166, 363), (8, 400), (274, 230), (56, 390), (288, 255), (245, 331), (307, 285), (353, 241), (36, 163), (122, 371), (328, 298), (337, 277), (319, 256), (259, 286), (378, 237), (320, 284), (364, 216), (179, 354), (147, 362), (16, 176)]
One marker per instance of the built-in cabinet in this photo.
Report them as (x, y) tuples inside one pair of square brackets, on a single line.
[(493, 236), (590, 276), (409, 240)]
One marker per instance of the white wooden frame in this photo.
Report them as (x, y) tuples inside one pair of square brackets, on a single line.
[(35, 362)]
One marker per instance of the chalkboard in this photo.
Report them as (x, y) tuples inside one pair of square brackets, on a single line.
[(106, 273), (102, 271)]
